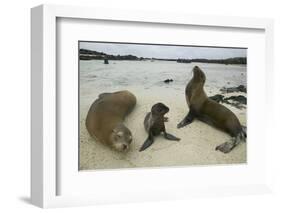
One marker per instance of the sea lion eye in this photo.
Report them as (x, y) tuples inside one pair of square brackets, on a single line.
[(119, 134), (125, 146)]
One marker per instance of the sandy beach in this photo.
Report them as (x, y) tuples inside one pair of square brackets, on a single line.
[(198, 140)]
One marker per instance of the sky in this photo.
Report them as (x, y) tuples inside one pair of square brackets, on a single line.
[(162, 51)]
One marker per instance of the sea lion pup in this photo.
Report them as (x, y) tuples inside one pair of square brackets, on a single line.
[(105, 119), (154, 125), (211, 112)]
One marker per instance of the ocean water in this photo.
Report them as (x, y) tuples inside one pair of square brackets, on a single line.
[(97, 77)]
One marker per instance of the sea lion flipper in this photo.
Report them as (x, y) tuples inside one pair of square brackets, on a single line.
[(228, 146), (171, 137), (148, 142), (187, 119), (244, 131)]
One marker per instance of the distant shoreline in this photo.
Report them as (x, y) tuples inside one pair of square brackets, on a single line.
[(85, 54)]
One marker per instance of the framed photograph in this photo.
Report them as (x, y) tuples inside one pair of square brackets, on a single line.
[(129, 106)]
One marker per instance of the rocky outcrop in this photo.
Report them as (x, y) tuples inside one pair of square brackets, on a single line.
[(240, 88), (238, 101), (168, 81)]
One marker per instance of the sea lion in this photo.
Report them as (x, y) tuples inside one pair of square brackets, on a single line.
[(154, 125), (105, 119), (211, 112)]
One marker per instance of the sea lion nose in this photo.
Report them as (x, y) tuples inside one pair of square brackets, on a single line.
[(125, 146), (195, 68)]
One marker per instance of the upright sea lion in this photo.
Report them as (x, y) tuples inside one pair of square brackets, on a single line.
[(105, 119), (211, 112), (154, 125)]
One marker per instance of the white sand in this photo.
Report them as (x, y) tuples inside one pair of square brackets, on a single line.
[(196, 147)]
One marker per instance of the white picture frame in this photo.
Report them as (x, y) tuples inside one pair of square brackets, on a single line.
[(44, 153)]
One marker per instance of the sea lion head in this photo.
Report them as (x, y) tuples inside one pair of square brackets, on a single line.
[(198, 75), (159, 109), (121, 138)]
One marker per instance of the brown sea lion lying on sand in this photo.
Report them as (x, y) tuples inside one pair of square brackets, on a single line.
[(211, 112), (106, 116)]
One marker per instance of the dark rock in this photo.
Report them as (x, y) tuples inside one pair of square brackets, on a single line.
[(83, 57), (106, 61), (240, 88), (237, 101), (168, 81), (92, 76), (240, 99), (218, 98)]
